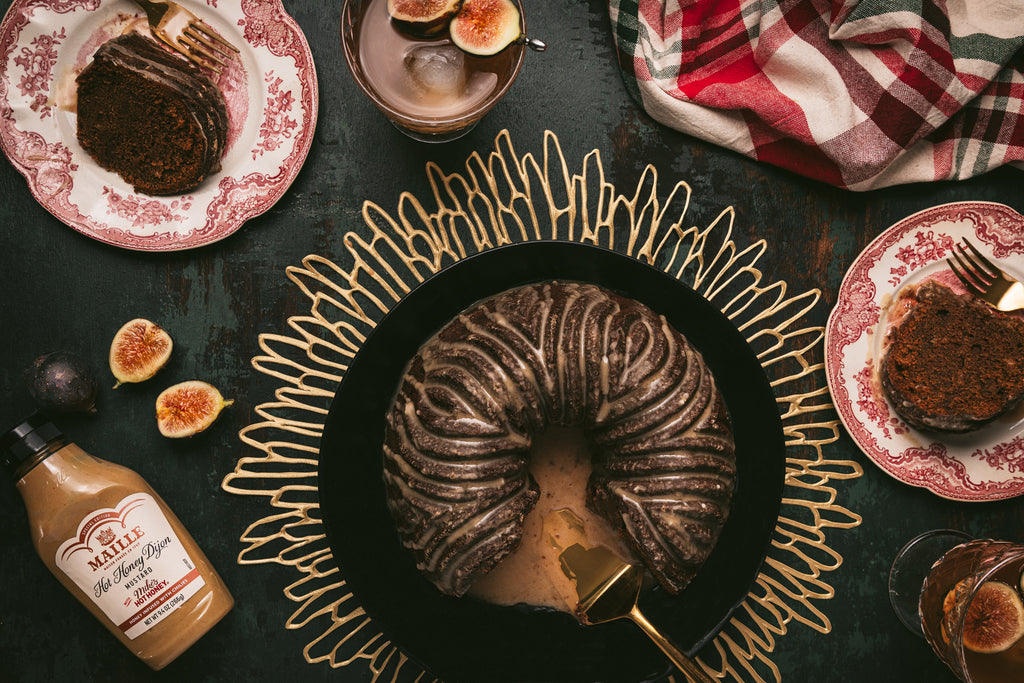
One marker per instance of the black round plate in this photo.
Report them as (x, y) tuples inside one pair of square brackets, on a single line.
[(465, 639)]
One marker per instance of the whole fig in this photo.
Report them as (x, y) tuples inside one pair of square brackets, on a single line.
[(62, 382)]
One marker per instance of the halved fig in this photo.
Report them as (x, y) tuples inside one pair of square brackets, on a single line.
[(140, 348), (423, 18), (188, 408), (995, 618), (485, 27)]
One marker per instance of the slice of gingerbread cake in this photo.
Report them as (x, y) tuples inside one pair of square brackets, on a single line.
[(953, 363), (150, 116)]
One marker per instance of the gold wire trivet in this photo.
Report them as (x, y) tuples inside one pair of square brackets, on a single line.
[(501, 199)]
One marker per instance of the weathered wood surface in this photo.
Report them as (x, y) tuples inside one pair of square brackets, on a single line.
[(61, 290)]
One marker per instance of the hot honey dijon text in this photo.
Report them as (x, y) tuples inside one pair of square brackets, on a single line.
[(136, 569)]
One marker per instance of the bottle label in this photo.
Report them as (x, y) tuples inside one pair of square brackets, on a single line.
[(131, 563)]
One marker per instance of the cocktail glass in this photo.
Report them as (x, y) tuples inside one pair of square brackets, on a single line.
[(910, 568), (951, 615), (428, 88)]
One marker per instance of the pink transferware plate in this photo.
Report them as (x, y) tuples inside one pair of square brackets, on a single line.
[(271, 93), (984, 465)]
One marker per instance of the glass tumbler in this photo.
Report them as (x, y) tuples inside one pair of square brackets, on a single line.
[(972, 611), (428, 88)]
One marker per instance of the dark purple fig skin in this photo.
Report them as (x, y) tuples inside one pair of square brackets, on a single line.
[(62, 382)]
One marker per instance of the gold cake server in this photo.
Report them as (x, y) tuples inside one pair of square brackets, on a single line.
[(608, 589)]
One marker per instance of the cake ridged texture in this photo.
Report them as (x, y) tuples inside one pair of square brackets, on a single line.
[(460, 429), (150, 116), (953, 363)]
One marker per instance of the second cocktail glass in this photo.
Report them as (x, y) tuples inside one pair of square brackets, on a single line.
[(971, 605)]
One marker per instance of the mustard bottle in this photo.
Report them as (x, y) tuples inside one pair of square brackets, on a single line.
[(114, 544)]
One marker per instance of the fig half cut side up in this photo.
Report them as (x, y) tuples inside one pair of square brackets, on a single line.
[(423, 18), (188, 408), (139, 349), (486, 27)]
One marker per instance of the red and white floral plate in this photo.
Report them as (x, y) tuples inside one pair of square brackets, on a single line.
[(271, 94), (984, 465)]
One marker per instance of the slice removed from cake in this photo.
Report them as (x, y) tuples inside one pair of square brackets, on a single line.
[(953, 363), (150, 116)]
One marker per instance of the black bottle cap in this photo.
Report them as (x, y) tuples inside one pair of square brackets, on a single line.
[(27, 439)]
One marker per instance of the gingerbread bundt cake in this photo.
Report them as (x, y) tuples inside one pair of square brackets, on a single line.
[(953, 363), (460, 429), (150, 116)]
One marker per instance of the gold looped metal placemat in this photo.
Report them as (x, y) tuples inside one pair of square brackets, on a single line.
[(503, 198)]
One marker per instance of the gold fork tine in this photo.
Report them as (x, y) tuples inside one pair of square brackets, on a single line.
[(984, 279), (200, 47), (980, 262), (961, 273), (189, 35), (202, 32)]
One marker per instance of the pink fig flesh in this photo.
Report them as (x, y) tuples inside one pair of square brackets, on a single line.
[(188, 408), (485, 27), (423, 18)]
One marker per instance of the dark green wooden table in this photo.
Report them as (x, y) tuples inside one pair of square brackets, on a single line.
[(61, 290)]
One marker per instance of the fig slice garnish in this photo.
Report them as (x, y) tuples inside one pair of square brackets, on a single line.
[(188, 408), (139, 349), (423, 18), (995, 618), (485, 27)]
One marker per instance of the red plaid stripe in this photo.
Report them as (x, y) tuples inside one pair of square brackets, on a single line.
[(851, 92)]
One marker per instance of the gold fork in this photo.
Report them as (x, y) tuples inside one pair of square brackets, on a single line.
[(187, 34), (985, 279)]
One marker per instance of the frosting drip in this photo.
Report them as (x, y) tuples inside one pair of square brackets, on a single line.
[(557, 354)]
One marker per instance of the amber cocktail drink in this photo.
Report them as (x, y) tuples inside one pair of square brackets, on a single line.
[(972, 611), (429, 88)]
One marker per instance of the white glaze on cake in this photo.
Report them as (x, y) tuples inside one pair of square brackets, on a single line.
[(472, 399)]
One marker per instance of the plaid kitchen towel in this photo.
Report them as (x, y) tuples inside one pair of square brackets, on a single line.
[(857, 93)]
